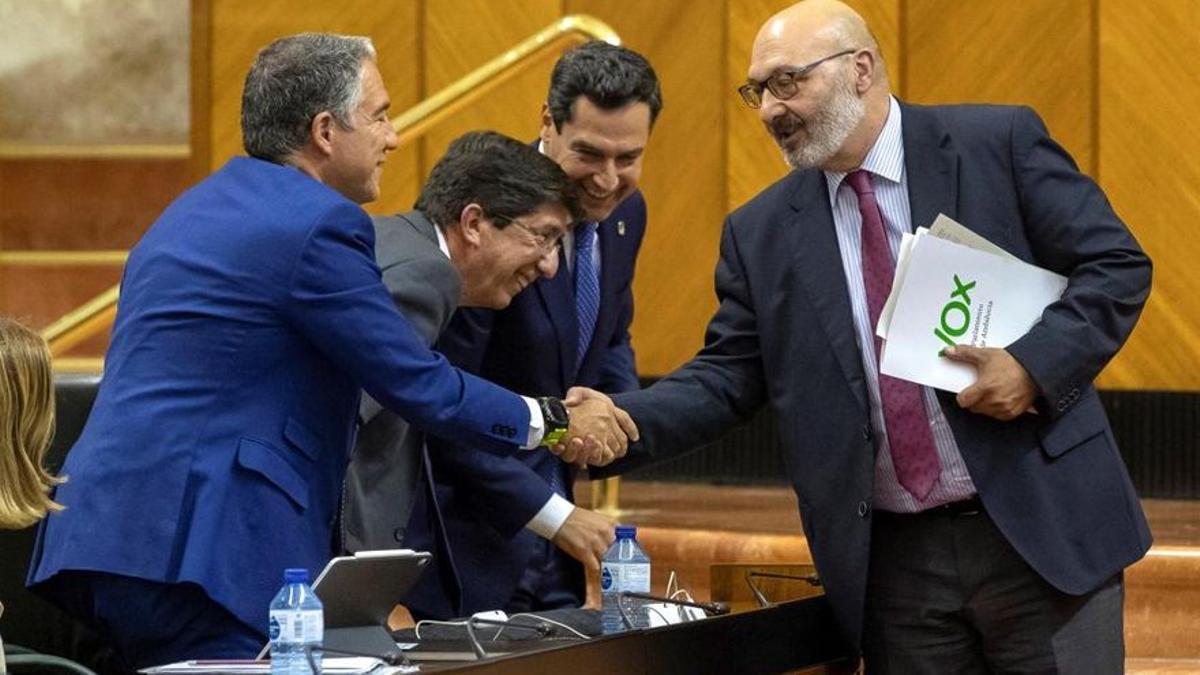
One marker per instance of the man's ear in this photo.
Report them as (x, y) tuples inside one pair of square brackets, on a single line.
[(321, 132), (471, 223), (548, 131), (864, 70)]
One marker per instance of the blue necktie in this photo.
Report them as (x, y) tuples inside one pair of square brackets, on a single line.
[(587, 287)]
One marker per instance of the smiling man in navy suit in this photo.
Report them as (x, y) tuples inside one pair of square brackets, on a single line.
[(252, 311), (980, 533), (517, 540)]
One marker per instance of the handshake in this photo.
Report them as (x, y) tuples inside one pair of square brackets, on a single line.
[(599, 432)]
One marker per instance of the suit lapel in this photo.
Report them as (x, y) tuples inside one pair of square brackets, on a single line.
[(818, 266), (557, 295), (931, 165)]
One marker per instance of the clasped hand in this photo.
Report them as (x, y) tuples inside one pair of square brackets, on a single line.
[(1003, 389), (599, 431)]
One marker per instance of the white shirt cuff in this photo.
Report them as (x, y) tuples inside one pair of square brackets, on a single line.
[(537, 426), (547, 522)]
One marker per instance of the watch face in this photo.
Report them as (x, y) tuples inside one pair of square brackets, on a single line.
[(555, 412)]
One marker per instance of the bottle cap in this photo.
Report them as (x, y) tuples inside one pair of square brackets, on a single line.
[(295, 575), (626, 532)]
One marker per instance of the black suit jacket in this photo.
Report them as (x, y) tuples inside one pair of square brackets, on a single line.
[(783, 335)]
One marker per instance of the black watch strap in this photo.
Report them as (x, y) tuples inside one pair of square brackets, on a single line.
[(556, 419)]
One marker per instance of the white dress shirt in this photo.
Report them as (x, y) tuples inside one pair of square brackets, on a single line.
[(885, 162)]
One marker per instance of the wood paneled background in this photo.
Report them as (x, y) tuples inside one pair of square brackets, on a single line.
[(1114, 81)]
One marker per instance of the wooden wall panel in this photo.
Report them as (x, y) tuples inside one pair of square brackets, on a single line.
[(753, 159), (75, 204), (40, 295), (238, 30), (1035, 52), (683, 177), (81, 203), (1112, 79), (461, 35), (1150, 168)]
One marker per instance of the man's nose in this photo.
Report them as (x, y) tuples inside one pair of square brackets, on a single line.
[(548, 265), (771, 107), (392, 139), (607, 179)]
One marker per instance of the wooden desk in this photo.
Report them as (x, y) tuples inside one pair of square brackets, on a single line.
[(798, 636)]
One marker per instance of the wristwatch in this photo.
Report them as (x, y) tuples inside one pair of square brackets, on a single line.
[(555, 416)]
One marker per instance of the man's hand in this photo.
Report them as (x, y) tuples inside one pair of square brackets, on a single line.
[(599, 431), (585, 536), (1002, 390)]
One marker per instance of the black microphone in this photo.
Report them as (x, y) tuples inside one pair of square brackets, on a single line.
[(541, 629), (710, 608), (390, 658), (760, 598), (476, 646)]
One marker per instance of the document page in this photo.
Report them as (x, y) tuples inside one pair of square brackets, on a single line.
[(954, 294)]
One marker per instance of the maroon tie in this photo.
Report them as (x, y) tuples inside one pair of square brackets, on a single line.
[(913, 454)]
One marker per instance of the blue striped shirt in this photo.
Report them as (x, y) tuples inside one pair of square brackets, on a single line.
[(885, 162)]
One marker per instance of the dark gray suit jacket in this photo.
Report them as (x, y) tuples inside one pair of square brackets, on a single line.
[(384, 472), (783, 336)]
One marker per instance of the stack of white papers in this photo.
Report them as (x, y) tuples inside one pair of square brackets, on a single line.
[(953, 287)]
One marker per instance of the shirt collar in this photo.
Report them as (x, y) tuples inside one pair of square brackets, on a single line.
[(441, 237), (886, 156)]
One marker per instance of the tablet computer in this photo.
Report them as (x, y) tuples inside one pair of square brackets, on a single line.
[(359, 592), (363, 589)]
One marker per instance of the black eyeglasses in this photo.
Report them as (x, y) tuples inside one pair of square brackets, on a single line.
[(783, 83), (546, 242)]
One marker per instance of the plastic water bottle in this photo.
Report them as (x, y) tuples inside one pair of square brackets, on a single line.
[(297, 624), (625, 567)]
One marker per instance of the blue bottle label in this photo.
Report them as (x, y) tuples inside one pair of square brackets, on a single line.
[(606, 579)]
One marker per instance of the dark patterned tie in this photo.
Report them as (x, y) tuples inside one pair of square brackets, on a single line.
[(587, 287), (558, 478), (913, 453)]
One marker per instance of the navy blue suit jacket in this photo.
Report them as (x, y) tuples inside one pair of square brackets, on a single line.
[(251, 312), (530, 347), (783, 336)]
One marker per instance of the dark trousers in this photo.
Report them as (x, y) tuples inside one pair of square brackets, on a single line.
[(948, 594), (553, 580), (152, 623)]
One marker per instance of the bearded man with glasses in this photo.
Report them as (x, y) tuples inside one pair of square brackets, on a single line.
[(980, 533)]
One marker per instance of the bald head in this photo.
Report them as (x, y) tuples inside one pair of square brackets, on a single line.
[(823, 26), (827, 93)]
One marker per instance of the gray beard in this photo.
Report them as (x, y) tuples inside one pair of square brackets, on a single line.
[(828, 130)]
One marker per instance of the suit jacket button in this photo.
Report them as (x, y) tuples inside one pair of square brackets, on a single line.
[(398, 534), (863, 509)]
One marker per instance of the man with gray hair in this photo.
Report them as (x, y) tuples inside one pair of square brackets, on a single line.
[(251, 314)]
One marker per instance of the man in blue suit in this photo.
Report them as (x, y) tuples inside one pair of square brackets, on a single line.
[(251, 313), (517, 540), (983, 533)]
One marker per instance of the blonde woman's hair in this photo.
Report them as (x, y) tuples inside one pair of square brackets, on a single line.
[(26, 426)]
